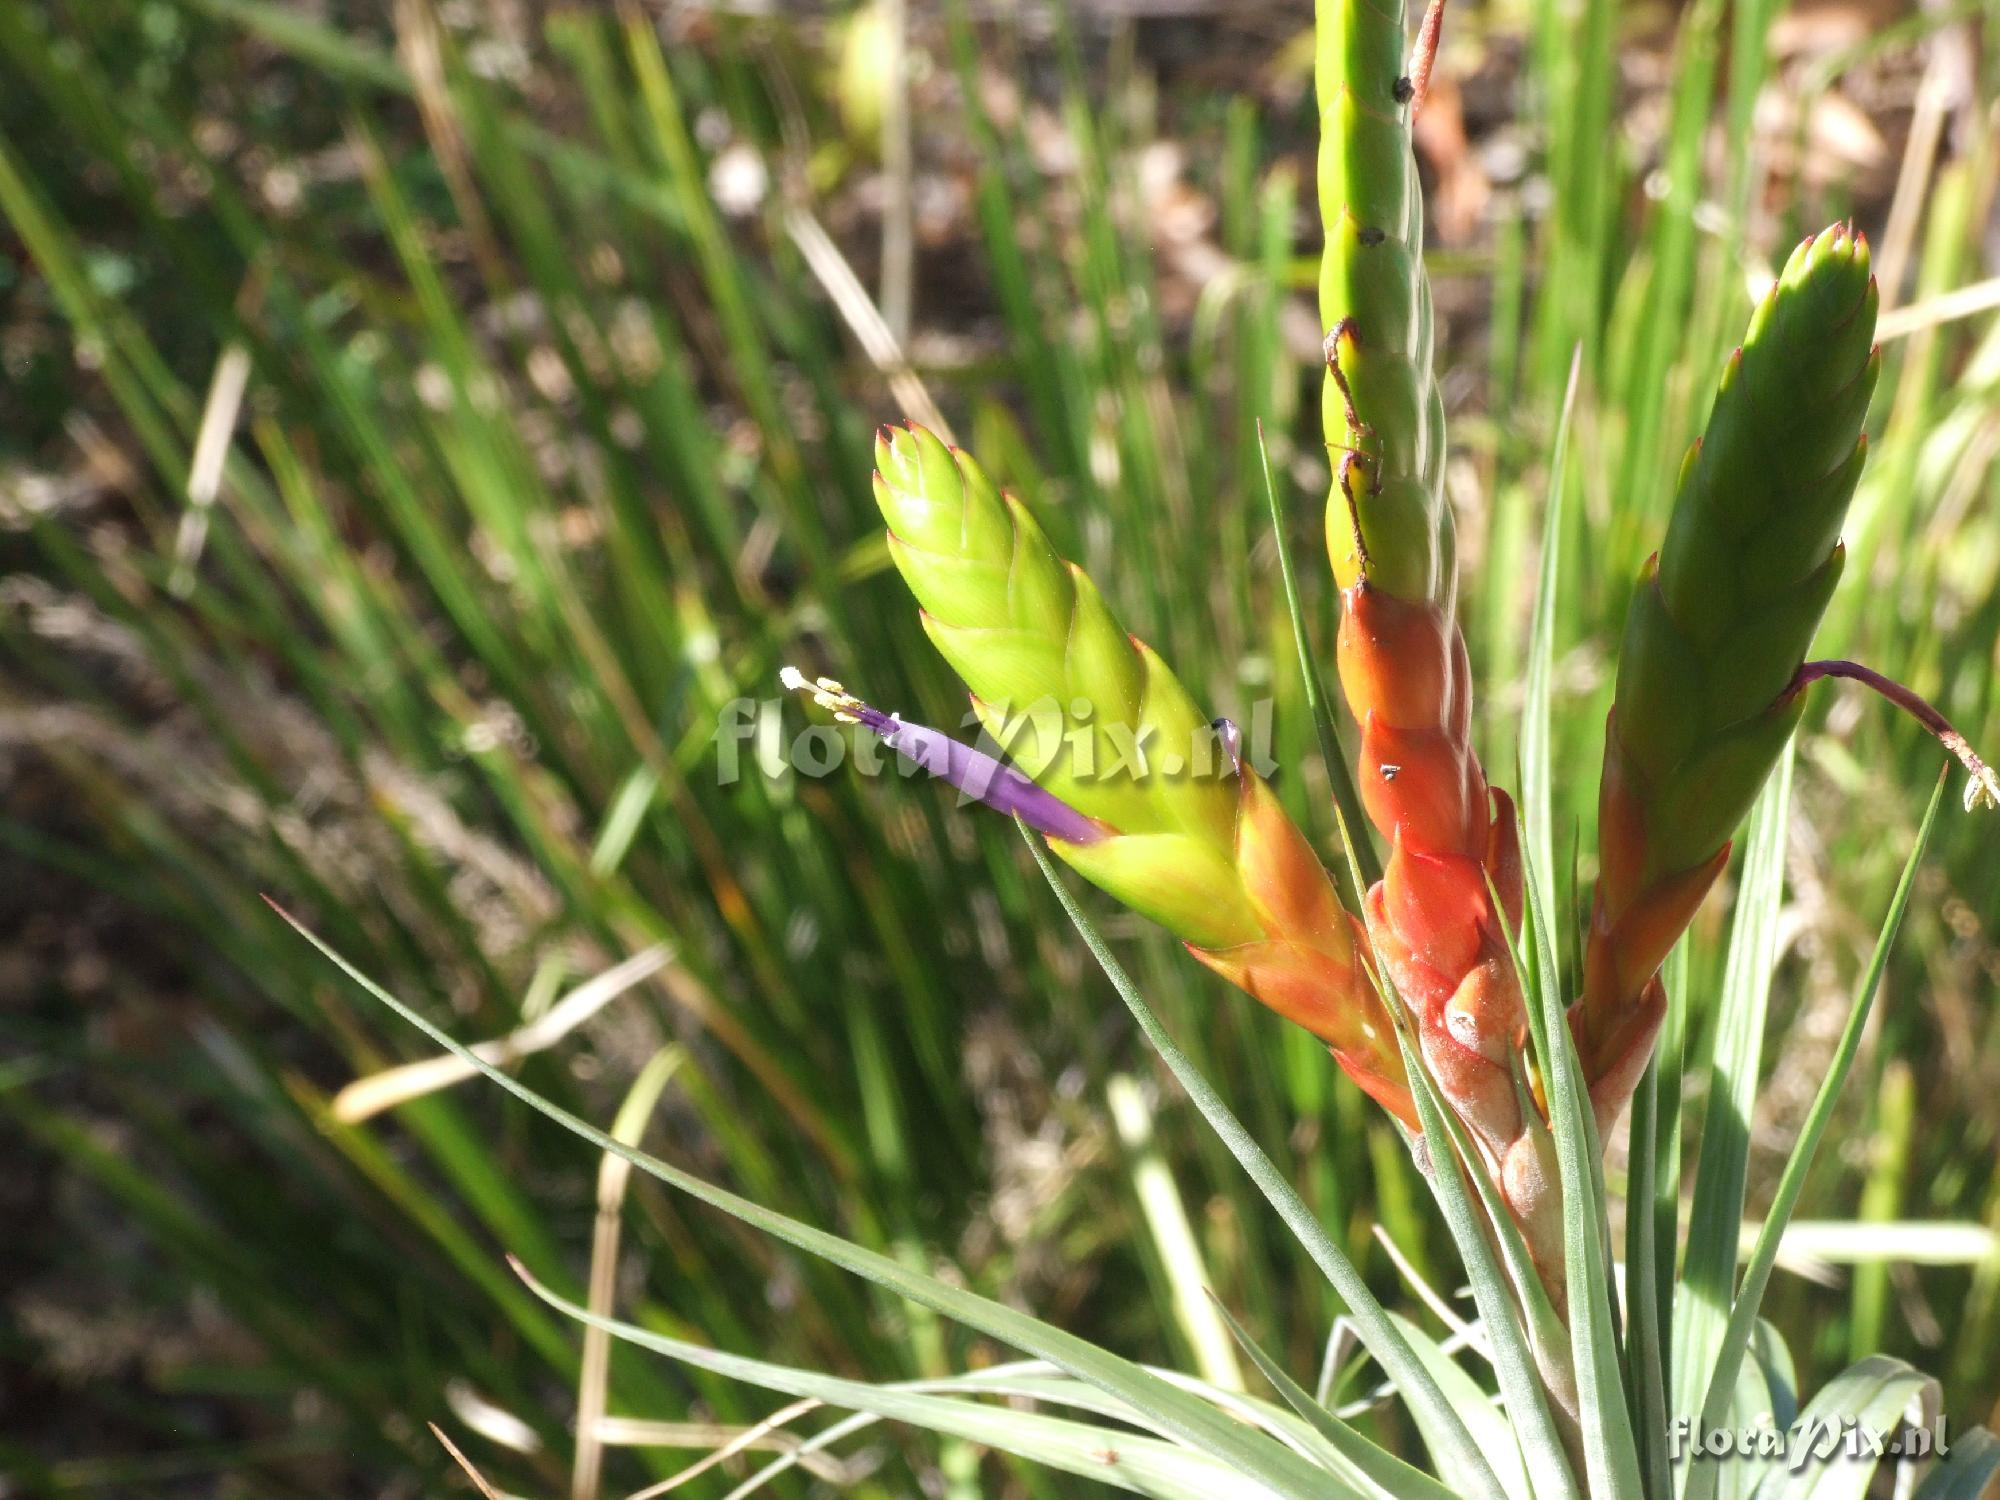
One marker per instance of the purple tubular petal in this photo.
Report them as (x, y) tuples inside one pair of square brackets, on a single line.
[(986, 779)]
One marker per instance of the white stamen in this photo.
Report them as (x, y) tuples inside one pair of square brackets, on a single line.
[(826, 692)]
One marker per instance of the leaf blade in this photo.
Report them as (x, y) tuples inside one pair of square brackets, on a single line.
[(1396, 1478), (1372, 1323), (1188, 1418), (1708, 1277), (1610, 1455), (1742, 1325)]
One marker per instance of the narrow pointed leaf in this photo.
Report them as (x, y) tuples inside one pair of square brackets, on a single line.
[(1709, 1276), (1453, 1443), (1610, 1456), (1967, 1472), (1872, 1394), (1537, 745), (1521, 1388), (1645, 1364), (1115, 1456), (1373, 1463), (1757, 1274), (1188, 1418), (1472, 1405)]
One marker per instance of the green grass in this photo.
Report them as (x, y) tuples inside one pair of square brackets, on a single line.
[(545, 459)]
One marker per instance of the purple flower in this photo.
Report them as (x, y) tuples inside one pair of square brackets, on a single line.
[(972, 771)]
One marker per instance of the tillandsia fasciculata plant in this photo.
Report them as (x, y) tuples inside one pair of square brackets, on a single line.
[(1441, 993)]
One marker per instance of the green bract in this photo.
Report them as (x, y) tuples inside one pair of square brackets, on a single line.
[(1086, 710), (1721, 621)]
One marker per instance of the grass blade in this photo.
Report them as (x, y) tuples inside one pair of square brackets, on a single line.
[(1528, 1413), (1368, 864), (1709, 1276), (1610, 1456), (1967, 1472), (1372, 1322), (1173, 1236), (1645, 1363), (1192, 1420), (1757, 1274), (1537, 747), (1112, 1455), (1870, 1396), (1375, 1464)]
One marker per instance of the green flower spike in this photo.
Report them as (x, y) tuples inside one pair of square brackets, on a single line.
[(1190, 836), (1089, 713), (1719, 627)]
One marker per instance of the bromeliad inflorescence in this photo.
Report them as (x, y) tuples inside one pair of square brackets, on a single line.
[(1435, 983), (1185, 832), (1100, 747)]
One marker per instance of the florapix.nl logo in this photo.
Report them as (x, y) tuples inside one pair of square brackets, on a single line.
[(1046, 739)]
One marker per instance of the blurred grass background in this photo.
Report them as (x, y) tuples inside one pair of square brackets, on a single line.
[(423, 419)]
